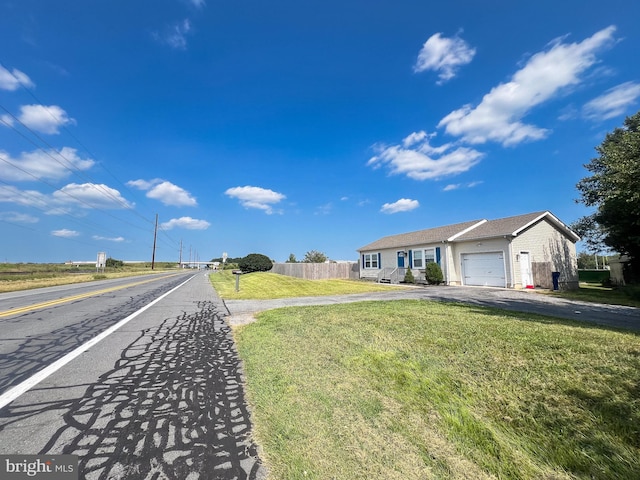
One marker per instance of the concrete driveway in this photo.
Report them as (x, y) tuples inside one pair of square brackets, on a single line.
[(242, 311)]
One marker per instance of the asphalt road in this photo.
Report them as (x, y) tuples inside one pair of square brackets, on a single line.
[(160, 397), (242, 311)]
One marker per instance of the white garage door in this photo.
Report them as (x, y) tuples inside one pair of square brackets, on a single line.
[(484, 269)]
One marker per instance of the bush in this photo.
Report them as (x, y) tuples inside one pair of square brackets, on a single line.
[(433, 273), (632, 291), (408, 277), (113, 263), (255, 262)]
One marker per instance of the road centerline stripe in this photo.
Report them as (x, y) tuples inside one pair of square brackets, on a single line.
[(59, 301), (13, 393)]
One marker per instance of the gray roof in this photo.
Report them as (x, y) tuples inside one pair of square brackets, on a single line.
[(421, 237), (473, 230), (513, 226)]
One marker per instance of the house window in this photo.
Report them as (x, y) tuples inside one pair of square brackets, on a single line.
[(422, 257), (370, 260)]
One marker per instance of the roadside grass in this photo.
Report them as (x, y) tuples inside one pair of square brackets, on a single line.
[(424, 390), (591, 292), (26, 276), (265, 285)]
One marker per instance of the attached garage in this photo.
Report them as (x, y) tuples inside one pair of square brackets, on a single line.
[(484, 269)]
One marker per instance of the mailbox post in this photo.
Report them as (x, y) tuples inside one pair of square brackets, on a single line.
[(237, 273)]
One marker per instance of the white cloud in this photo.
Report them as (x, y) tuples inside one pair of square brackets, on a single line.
[(90, 195), (256, 197), (186, 222), (176, 35), (424, 161), (456, 186), (12, 80), (143, 184), (166, 192), (44, 119), (613, 102), (18, 217), (324, 209), (25, 198), (170, 194), (61, 201), (7, 120), (42, 164), (415, 137), (444, 55), (498, 117), (402, 205), (198, 3), (65, 233), (113, 239)]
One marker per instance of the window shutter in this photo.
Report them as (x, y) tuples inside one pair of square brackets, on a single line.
[(379, 260), (410, 258), (363, 260), (438, 255)]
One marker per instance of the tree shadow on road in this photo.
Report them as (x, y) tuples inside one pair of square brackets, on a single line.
[(171, 408)]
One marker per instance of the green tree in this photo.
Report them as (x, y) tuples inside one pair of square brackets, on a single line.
[(291, 259), (314, 256), (255, 262), (591, 234), (614, 188)]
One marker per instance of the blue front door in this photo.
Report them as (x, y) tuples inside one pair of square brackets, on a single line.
[(400, 259)]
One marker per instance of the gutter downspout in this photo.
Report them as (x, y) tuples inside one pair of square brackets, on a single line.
[(446, 263)]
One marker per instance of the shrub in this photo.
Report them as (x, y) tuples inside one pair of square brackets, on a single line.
[(408, 277), (113, 263), (433, 273), (255, 262)]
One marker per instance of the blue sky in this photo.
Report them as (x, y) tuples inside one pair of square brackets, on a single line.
[(283, 127)]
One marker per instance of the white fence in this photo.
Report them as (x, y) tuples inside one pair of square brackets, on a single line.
[(318, 271)]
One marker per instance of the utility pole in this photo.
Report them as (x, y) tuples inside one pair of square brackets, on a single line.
[(155, 234), (180, 261)]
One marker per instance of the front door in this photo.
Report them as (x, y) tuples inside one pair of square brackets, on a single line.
[(525, 270), (400, 259)]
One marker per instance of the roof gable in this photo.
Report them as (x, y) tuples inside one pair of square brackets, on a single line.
[(472, 230), (514, 226)]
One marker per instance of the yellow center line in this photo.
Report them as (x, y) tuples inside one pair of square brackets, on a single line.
[(59, 301)]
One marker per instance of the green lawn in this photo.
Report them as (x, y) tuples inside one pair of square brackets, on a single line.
[(589, 292), (422, 390), (265, 285)]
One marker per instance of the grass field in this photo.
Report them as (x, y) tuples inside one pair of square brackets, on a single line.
[(265, 285), (25, 276), (421, 390), (424, 390), (589, 292)]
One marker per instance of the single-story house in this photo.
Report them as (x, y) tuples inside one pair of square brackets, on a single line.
[(525, 251)]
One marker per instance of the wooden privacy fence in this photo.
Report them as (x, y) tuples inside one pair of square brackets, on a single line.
[(542, 274), (318, 271)]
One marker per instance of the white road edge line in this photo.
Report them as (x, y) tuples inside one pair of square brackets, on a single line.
[(10, 395)]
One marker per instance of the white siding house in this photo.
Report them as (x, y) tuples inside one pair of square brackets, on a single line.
[(524, 251)]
